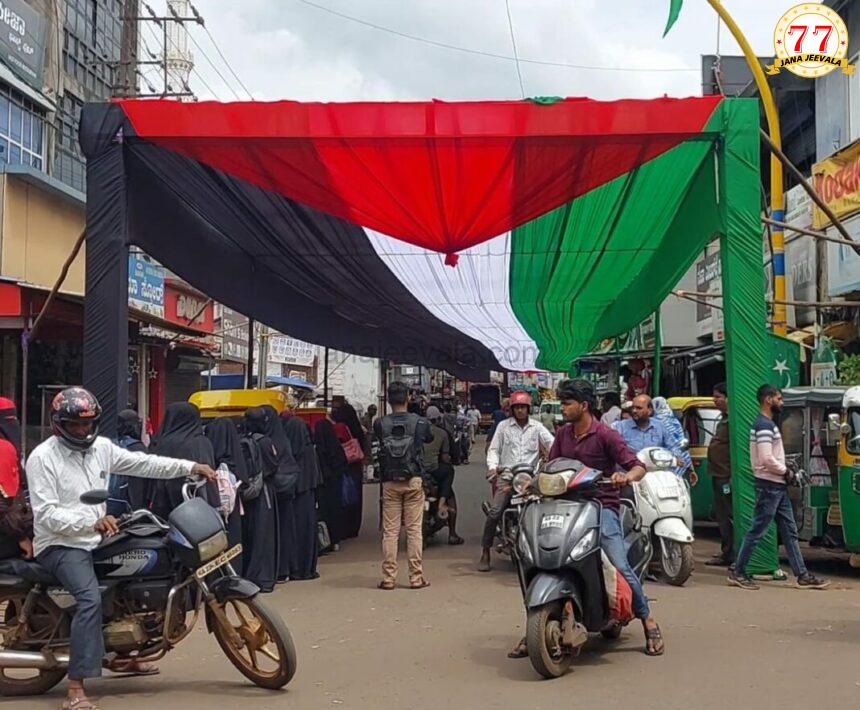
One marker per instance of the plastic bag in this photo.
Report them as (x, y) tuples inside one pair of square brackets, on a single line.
[(228, 487), (619, 595)]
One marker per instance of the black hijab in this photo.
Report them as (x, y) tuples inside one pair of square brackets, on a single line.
[(181, 435), (227, 446), (129, 424), (330, 451), (299, 435), (10, 427), (346, 414)]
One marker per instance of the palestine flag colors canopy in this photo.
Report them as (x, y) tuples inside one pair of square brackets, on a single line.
[(467, 236)]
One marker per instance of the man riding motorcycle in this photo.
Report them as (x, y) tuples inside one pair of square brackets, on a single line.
[(71, 462), (517, 440), (437, 460)]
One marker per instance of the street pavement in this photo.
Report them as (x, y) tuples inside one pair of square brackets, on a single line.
[(444, 646)]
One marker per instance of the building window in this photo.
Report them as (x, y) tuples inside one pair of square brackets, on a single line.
[(22, 130), (854, 103)]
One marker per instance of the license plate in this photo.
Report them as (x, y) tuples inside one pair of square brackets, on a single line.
[(219, 561), (552, 521), (667, 492), (518, 500)]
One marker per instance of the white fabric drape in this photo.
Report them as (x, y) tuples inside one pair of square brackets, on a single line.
[(473, 297)]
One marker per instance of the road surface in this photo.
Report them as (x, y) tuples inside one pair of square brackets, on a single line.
[(363, 649)]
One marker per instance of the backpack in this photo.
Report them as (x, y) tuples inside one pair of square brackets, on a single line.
[(397, 452), (254, 464)]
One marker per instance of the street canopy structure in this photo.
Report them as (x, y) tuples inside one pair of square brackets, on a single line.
[(467, 236)]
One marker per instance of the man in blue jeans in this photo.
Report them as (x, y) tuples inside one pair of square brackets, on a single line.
[(598, 446), (767, 457)]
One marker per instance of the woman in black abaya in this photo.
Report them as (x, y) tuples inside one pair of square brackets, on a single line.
[(260, 524), (137, 492), (181, 437), (285, 481), (333, 467), (304, 562), (347, 426), (227, 448)]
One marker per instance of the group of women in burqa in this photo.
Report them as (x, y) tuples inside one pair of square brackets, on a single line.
[(302, 482)]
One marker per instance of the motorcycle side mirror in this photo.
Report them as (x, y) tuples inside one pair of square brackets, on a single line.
[(834, 422), (94, 497)]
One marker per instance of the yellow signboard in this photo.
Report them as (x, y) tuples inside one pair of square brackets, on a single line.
[(837, 180)]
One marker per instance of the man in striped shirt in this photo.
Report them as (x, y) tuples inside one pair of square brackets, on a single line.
[(767, 457)]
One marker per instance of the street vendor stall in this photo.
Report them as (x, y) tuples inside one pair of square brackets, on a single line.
[(571, 220)]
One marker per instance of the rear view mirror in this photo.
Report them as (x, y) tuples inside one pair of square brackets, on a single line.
[(94, 497), (834, 422)]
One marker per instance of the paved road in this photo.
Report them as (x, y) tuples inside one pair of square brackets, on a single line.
[(360, 648)]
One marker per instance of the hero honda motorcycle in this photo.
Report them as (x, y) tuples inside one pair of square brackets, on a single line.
[(507, 528), (151, 576), (559, 562), (663, 501)]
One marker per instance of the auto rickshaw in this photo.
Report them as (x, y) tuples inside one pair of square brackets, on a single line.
[(699, 417), (844, 513), (234, 403)]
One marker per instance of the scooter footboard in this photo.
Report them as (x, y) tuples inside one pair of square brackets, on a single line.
[(546, 588)]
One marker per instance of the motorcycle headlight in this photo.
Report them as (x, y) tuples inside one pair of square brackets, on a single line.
[(521, 483), (658, 458), (212, 546), (585, 545), (552, 484)]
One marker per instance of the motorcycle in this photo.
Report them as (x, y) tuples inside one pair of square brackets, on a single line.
[(432, 522), (663, 501), (559, 563), (507, 528), (151, 575)]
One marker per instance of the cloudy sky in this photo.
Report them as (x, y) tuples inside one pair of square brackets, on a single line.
[(292, 49)]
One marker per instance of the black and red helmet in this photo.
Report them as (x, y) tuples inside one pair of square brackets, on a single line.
[(75, 404)]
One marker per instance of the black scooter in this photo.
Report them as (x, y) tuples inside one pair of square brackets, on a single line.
[(559, 564)]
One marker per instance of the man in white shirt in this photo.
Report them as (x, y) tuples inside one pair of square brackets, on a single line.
[(519, 439), (611, 408), (473, 416), (71, 462)]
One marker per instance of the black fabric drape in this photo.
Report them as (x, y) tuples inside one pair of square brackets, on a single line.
[(181, 436)]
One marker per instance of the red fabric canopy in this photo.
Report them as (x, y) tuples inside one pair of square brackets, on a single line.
[(443, 176)]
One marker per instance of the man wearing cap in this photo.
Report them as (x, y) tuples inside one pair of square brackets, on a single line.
[(517, 440)]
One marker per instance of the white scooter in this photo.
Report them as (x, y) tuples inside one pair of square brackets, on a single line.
[(663, 502)]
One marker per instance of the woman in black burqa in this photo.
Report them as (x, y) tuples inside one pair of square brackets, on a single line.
[(333, 466), (137, 492), (304, 562), (181, 437), (348, 426), (260, 522), (227, 447)]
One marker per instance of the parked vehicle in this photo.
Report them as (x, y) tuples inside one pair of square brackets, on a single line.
[(234, 403), (559, 562), (487, 398), (508, 526), (699, 417), (152, 576), (843, 513), (663, 502)]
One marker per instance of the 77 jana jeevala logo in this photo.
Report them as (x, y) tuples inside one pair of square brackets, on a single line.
[(810, 40)]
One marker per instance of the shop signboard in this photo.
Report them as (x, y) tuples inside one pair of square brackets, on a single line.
[(234, 335), (800, 257), (285, 350), (837, 180), (640, 338), (843, 263), (187, 307), (145, 285), (22, 40)]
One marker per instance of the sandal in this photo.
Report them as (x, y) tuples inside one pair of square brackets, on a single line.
[(78, 704), (654, 635), (520, 650), (133, 667), (420, 584), (385, 586)]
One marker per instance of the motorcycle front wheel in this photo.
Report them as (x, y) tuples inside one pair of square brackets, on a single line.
[(266, 655), (543, 640), (676, 561)]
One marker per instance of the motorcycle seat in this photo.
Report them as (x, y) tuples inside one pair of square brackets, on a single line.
[(17, 568)]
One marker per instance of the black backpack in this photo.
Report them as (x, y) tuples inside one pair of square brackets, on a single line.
[(397, 450), (254, 464)]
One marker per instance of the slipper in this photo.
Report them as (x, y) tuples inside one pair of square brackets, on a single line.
[(519, 651), (654, 635), (133, 668), (385, 586), (78, 704), (420, 584)]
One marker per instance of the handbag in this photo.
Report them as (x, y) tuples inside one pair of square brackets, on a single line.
[(352, 449), (348, 492)]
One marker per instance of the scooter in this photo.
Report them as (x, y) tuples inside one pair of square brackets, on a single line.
[(559, 563), (663, 501)]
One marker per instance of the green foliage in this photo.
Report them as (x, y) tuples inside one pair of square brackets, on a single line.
[(849, 371)]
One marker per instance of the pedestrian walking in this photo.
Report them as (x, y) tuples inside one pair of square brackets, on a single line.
[(402, 436), (719, 466), (767, 457), (347, 427), (304, 560)]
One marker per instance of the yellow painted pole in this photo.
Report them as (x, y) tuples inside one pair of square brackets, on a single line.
[(777, 202)]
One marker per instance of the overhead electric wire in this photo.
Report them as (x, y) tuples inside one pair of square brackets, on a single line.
[(456, 48), (212, 64), (221, 54), (514, 45), (199, 75)]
